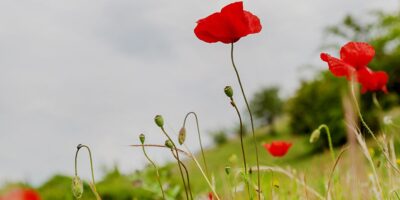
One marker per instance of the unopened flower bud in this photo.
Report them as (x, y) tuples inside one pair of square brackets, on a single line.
[(77, 187), (315, 135), (228, 91), (142, 138), (159, 121), (169, 144), (227, 170), (182, 135)]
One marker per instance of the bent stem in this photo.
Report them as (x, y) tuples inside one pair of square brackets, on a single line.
[(93, 184), (198, 133), (252, 123), (179, 161), (157, 172), (241, 142), (328, 133)]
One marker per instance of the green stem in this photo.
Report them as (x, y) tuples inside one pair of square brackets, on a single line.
[(252, 123), (156, 168), (91, 167), (179, 162), (241, 141), (198, 133), (369, 130), (328, 133), (187, 175)]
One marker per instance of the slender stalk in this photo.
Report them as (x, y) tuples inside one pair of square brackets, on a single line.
[(93, 185), (241, 140), (198, 133), (252, 123), (333, 170), (157, 172), (179, 162), (370, 131), (328, 133), (186, 172)]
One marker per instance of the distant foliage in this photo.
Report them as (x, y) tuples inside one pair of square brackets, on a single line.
[(319, 102), (219, 137), (267, 105)]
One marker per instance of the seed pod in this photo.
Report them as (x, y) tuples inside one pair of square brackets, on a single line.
[(77, 187), (227, 170), (169, 144), (228, 91), (315, 135), (182, 135), (159, 121), (142, 138)]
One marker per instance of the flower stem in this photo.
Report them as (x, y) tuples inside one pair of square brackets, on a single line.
[(241, 140), (198, 133), (328, 133), (186, 172), (252, 123), (179, 162), (157, 172), (91, 168)]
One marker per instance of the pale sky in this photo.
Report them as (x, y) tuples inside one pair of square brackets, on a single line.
[(97, 71)]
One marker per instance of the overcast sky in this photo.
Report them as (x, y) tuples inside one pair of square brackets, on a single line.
[(98, 71)]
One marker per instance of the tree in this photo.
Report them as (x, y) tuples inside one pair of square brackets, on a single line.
[(267, 105)]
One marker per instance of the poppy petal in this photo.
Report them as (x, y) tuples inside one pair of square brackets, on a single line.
[(357, 54), (338, 67)]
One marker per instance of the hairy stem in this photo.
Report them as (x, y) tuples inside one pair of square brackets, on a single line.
[(93, 185), (198, 133)]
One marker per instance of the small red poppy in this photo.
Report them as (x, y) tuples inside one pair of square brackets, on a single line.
[(21, 194), (210, 196), (227, 26), (278, 148)]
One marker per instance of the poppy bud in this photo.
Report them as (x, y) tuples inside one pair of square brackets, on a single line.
[(315, 135), (142, 138), (169, 144), (77, 187), (227, 170), (159, 121), (182, 135), (228, 91)]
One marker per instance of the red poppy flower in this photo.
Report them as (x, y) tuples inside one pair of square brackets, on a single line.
[(372, 81), (278, 148), (354, 56), (227, 26), (210, 196), (21, 194)]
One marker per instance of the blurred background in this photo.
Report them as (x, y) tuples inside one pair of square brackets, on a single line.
[(97, 72)]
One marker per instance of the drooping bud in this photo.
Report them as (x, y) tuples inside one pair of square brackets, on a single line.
[(315, 135), (228, 91), (159, 121), (169, 144), (142, 138), (182, 135), (77, 187), (227, 170)]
